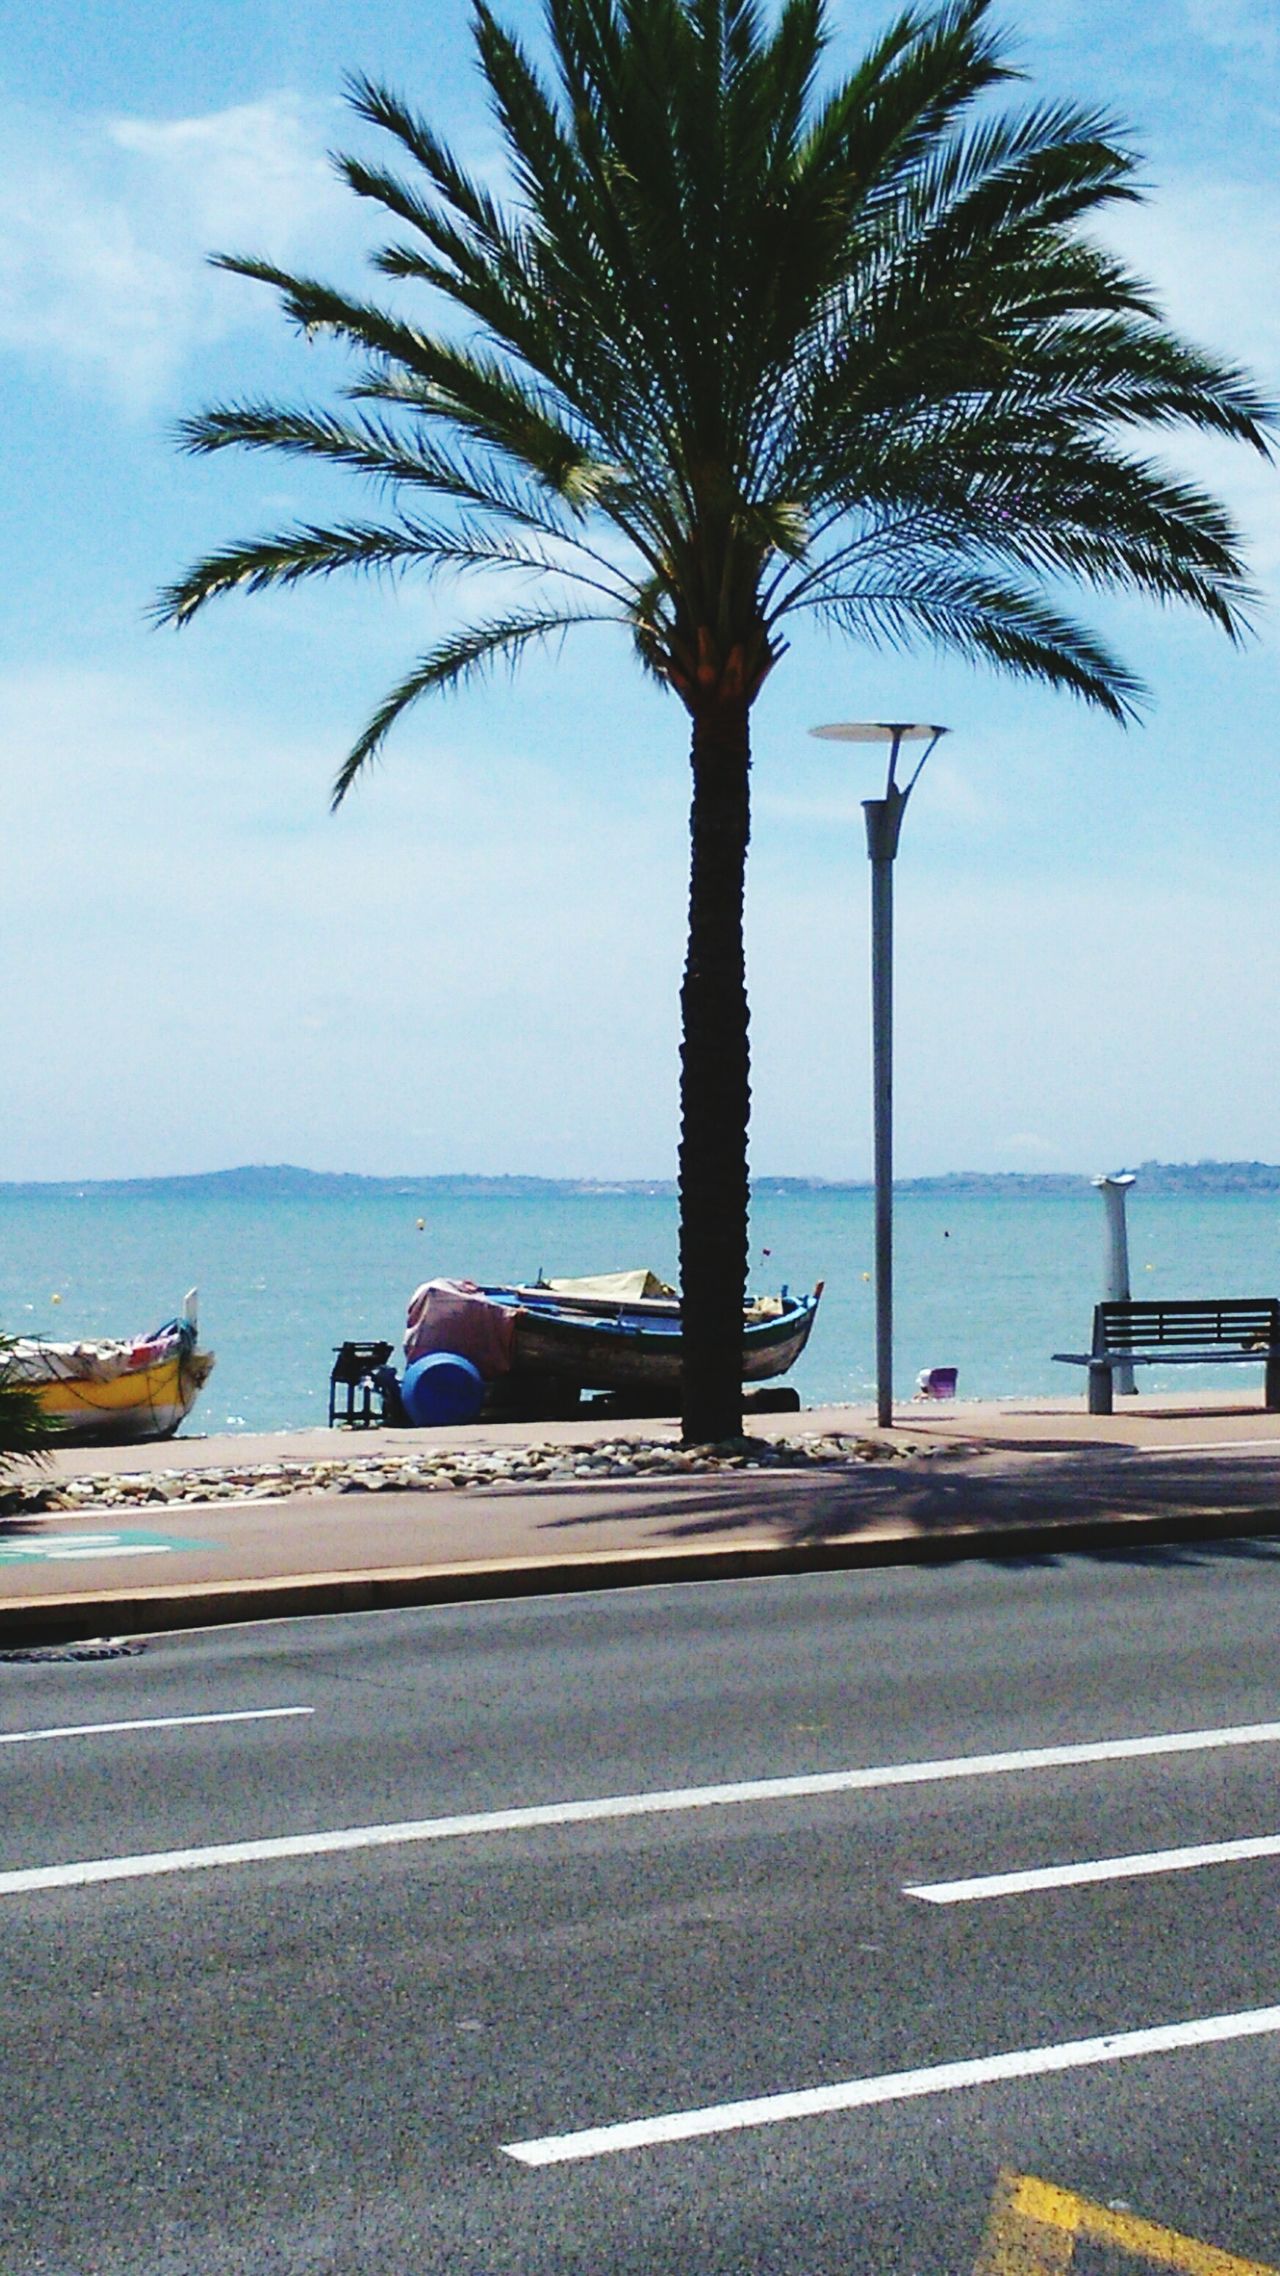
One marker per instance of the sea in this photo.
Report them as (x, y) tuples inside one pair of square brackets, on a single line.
[(991, 1285)]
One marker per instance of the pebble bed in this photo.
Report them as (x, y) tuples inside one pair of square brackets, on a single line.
[(445, 1469)]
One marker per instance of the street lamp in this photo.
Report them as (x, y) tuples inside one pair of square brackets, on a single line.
[(884, 822)]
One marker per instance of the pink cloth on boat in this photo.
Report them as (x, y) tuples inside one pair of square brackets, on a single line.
[(455, 1315)]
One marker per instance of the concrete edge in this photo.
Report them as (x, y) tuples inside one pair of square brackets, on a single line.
[(150, 1612)]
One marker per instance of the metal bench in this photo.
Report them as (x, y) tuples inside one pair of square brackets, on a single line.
[(354, 1373), (1189, 1332)]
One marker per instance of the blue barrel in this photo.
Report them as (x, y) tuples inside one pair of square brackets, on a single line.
[(442, 1388)]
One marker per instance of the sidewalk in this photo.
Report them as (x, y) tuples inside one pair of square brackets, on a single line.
[(1017, 1477)]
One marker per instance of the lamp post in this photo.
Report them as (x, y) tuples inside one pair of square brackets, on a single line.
[(884, 823)]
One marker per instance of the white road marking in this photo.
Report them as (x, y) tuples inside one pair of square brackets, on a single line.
[(894, 2086), (655, 1804), (149, 1723), (56, 1553), (1216, 1446), (80, 1540), (1095, 1869)]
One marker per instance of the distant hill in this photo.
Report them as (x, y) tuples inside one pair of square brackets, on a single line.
[(1152, 1177), (285, 1182)]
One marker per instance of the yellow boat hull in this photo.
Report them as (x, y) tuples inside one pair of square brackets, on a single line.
[(144, 1402)]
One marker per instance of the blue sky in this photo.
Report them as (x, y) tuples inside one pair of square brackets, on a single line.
[(475, 965)]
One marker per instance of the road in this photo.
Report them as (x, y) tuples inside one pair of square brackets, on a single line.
[(411, 2048)]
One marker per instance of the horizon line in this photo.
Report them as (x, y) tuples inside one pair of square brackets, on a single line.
[(603, 1182)]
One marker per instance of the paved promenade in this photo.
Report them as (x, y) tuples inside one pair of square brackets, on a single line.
[(185, 1534)]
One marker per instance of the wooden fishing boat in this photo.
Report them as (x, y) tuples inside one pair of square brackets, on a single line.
[(565, 1335), (106, 1392)]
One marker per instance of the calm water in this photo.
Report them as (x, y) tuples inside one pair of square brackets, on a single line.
[(989, 1286)]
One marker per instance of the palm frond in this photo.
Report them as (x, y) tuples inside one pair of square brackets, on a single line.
[(463, 657), (1109, 369), (26, 1431), (383, 108), (312, 550), (390, 455), (989, 621), (286, 558)]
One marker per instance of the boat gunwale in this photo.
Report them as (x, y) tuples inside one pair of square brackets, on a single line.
[(612, 1313)]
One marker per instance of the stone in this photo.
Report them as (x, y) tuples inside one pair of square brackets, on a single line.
[(453, 1469)]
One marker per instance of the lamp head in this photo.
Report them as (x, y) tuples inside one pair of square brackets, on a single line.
[(876, 731)]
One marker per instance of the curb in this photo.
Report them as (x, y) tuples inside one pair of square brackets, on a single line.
[(152, 1612)]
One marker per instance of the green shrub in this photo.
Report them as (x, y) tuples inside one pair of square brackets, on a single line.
[(25, 1428)]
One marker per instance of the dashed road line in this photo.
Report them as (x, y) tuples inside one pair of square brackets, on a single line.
[(1214, 1446), (893, 2086), (746, 1792), (150, 1723), (1185, 1860)]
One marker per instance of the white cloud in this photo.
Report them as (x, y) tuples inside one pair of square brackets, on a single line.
[(105, 229), (258, 170)]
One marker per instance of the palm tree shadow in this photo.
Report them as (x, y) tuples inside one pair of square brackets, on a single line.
[(941, 1504)]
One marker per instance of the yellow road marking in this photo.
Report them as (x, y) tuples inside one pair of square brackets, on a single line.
[(1016, 2243), (1034, 2228)]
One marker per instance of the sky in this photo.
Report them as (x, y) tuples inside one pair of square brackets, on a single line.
[(474, 966)]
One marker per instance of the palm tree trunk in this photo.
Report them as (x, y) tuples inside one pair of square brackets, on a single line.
[(715, 1090)]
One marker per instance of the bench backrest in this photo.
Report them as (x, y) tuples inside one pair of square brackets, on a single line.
[(1237, 1320)]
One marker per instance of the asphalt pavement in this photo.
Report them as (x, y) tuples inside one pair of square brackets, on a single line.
[(359, 1945)]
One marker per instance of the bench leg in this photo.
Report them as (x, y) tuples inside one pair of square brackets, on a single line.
[(1100, 1390), (1273, 1386)]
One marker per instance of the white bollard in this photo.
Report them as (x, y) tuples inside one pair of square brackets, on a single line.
[(1114, 1191)]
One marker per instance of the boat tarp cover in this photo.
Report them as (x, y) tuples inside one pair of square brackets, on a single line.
[(35, 1360), (618, 1287), (456, 1316)]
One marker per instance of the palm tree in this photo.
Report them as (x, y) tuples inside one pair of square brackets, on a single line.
[(747, 344)]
